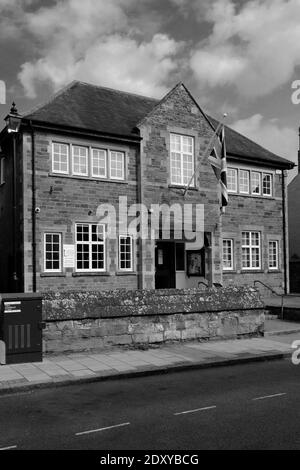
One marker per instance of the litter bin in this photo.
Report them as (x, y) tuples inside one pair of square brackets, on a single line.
[(21, 328)]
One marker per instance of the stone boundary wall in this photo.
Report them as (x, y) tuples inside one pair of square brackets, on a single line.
[(82, 321)]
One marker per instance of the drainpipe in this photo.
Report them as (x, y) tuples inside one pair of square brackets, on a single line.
[(15, 275), (33, 214), (284, 227)]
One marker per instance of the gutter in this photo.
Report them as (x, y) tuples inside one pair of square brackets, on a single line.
[(260, 162), (84, 132)]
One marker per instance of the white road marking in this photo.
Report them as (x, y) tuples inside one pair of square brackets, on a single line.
[(269, 396), (8, 448), (101, 429), (195, 411)]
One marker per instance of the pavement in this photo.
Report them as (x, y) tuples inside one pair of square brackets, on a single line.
[(73, 368)]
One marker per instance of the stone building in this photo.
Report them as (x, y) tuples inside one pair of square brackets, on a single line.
[(294, 228), (89, 146)]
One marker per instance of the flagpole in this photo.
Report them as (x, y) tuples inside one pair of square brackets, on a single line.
[(209, 145)]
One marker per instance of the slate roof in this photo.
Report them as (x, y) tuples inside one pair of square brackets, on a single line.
[(103, 110)]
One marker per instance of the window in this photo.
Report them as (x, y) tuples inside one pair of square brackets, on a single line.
[(80, 160), (90, 247), (2, 170), (244, 181), (255, 182), (250, 250), (232, 180), (227, 254), (125, 253), (182, 159), (267, 184), (52, 252), (180, 265), (99, 159), (273, 254), (117, 161), (60, 158)]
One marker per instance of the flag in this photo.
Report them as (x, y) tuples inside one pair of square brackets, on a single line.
[(218, 161)]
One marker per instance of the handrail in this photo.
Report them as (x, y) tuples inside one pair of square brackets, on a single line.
[(273, 292), (201, 282)]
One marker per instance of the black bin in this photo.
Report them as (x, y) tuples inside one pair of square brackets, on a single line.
[(21, 328)]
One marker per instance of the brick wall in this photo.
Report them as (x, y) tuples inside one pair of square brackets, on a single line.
[(78, 321), (260, 214), (178, 113), (65, 200)]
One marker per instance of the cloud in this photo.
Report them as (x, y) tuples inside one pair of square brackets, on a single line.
[(115, 61), (98, 42), (254, 47), (282, 141)]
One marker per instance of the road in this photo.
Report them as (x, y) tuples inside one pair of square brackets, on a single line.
[(252, 406)]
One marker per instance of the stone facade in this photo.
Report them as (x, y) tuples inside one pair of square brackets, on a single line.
[(65, 200), (98, 320)]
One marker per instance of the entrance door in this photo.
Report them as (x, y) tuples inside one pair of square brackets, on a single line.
[(165, 265)]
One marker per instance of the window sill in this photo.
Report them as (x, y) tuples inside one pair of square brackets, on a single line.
[(254, 196), (52, 274), (126, 273), (179, 186), (80, 274), (87, 178), (251, 271)]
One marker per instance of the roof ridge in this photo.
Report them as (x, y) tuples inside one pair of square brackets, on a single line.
[(116, 91)]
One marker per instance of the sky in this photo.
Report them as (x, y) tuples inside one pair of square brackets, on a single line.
[(240, 57)]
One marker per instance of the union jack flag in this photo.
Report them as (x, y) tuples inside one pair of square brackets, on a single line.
[(218, 161)]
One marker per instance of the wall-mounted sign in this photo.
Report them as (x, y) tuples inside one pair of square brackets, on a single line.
[(195, 263), (12, 307), (69, 256)]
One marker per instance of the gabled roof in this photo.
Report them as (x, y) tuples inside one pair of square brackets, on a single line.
[(103, 110), (84, 106)]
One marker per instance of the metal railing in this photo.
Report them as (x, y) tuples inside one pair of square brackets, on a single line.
[(203, 283), (215, 285), (273, 292)]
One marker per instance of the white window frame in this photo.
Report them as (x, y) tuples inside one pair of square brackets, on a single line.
[(90, 243), (271, 184), (131, 253), (248, 173), (76, 173), (225, 268), (123, 165), (2, 171), (68, 158), (273, 268), (258, 173), (92, 159), (182, 153), (234, 170), (46, 270), (250, 247)]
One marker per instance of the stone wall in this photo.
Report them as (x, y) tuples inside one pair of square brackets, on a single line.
[(98, 320)]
